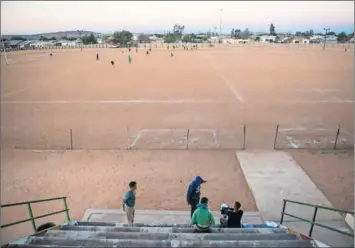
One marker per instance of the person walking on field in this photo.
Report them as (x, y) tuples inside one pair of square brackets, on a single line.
[(129, 202), (97, 56), (129, 59), (193, 193)]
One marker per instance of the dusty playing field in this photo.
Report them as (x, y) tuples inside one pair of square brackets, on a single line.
[(197, 100), (213, 92)]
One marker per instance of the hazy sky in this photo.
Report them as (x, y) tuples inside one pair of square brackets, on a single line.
[(34, 17)]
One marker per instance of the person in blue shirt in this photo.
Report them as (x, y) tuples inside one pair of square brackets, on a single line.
[(193, 193), (129, 202)]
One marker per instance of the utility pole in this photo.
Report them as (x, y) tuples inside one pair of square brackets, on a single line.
[(220, 24), (325, 36)]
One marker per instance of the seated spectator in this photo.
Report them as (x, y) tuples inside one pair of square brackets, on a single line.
[(202, 218), (235, 216)]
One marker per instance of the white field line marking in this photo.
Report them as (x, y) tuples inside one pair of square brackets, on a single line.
[(292, 142), (304, 102), (215, 138), (304, 129), (235, 92), (133, 101), (135, 140), (318, 90)]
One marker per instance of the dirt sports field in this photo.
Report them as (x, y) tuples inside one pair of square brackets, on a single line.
[(177, 117)]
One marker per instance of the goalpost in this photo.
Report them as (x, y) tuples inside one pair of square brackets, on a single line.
[(5, 55)]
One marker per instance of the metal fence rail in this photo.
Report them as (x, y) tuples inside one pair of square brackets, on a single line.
[(30, 213), (313, 221)]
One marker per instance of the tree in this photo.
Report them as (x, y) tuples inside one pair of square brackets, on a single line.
[(43, 38), (123, 37), (331, 33), (143, 38), (245, 34), (311, 32), (89, 39), (342, 37), (257, 38), (232, 33), (272, 29), (159, 35), (237, 33), (169, 38), (177, 31), (189, 38)]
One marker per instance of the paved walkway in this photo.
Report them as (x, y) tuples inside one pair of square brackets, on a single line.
[(156, 216), (273, 176)]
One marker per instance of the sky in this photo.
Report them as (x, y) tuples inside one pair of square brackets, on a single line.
[(30, 17)]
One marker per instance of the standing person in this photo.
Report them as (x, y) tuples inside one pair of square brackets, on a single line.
[(172, 55), (202, 219), (129, 59), (193, 193), (113, 63), (235, 216), (129, 202), (97, 56)]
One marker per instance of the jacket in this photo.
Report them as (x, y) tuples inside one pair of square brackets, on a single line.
[(193, 192), (202, 217), (130, 199)]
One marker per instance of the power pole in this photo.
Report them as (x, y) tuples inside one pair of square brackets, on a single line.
[(325, 36), (220, 24)]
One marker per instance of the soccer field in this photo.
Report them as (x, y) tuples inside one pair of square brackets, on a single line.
[(204, 96)]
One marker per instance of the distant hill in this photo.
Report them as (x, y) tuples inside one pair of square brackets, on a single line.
[(58, 35)]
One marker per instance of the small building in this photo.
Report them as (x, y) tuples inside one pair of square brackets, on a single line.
[(268, 38), (14, 44), (65, 43), (300, 40)]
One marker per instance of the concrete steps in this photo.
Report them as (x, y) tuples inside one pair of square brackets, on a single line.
[(101, 234)]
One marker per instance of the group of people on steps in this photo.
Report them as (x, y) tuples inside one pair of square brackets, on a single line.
[(201, 217)]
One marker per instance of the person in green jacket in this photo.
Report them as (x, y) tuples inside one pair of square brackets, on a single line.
[(202, 218)]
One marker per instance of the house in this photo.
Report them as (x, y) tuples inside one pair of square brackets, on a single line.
[(65, 43), (331, 39), (25, 44), (268, 38), (316, 39), (14, 44), (41, 44), (300, 40)]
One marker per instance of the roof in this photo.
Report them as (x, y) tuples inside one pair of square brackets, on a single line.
[(14, 42)]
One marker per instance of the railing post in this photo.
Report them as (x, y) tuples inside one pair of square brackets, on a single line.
[(30, 213), (276, 134), (313, 220), (336, 137), (244, 136), (282, 213), (66, 208)]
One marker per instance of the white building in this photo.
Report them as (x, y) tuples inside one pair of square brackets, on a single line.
[(268, 38)]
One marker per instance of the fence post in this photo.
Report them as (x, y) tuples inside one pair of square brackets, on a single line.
[(336, 137), (276, 134), (71, 139), (313, 220), (66, 208), (244, 136), (283, 211), (30, 213), (187, 139)]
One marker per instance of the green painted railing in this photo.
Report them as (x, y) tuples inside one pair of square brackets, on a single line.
[(313, 222), (30, 213)]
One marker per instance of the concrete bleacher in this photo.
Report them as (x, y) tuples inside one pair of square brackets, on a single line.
[(104, 228)]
